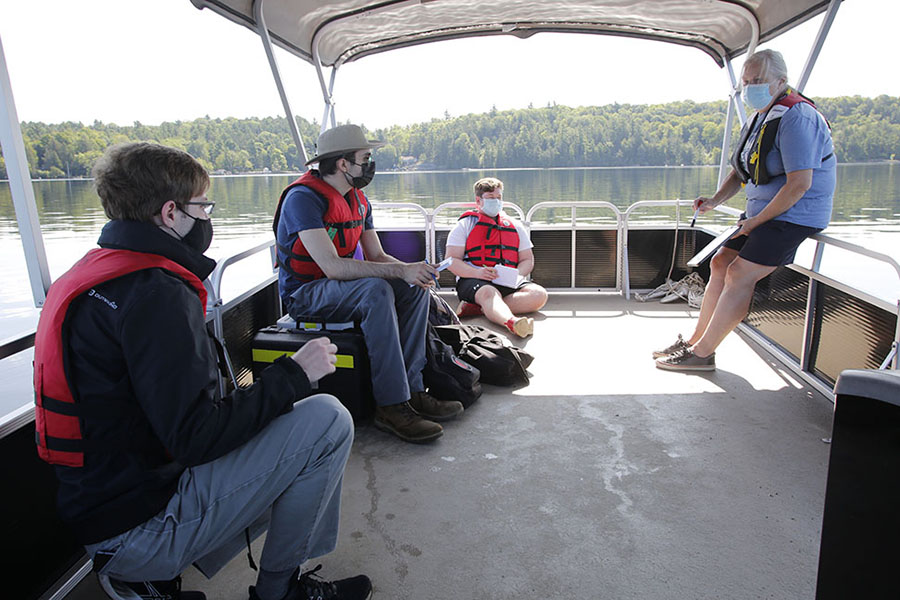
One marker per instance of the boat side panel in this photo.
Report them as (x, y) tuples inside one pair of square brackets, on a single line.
[(39, 547)]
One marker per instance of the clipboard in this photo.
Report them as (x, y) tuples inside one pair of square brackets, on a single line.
[(710, 249)]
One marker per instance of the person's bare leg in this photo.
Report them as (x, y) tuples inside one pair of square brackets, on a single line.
[(732, 305), (491, 302), (718, 267), (527, 299)]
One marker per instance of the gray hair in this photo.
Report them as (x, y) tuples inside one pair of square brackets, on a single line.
[(771, 63)]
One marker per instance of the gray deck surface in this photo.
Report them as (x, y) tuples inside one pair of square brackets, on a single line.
[(605, 478)]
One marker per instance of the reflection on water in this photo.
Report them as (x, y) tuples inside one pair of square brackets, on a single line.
[(867, 212)]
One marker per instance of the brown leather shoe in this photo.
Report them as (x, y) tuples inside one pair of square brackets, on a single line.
[(436, 410), (406, 424)]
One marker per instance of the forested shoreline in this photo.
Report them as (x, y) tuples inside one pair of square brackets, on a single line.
[(676, 133)]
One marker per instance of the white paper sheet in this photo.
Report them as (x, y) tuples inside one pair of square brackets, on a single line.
[(508, 276)]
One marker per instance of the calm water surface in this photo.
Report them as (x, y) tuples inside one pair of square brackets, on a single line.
[(866, 212)]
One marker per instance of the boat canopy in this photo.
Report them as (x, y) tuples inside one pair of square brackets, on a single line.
[(340, 31)]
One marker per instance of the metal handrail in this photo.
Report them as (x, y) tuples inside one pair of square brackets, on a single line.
[(408, 205), (215, 278), (830, 241), (574, 205), (17, 343)]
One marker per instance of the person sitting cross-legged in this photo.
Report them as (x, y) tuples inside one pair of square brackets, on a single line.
[(483, 239)]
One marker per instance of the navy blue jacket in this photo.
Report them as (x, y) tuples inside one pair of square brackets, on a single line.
[(144, 350)]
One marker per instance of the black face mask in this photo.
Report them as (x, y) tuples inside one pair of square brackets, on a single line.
[(368, 172), (200, 236)]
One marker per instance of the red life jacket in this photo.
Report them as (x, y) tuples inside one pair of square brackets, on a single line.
[(756, 171), (493, 240), (343, 224), (56, 414)]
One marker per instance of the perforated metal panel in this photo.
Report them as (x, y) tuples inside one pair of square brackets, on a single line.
[(552, 258), (852, 335), (650, 255), (778, 307), (241, 323), (595, 259)]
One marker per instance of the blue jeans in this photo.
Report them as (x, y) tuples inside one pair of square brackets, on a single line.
[(287, 479), (393, 316)]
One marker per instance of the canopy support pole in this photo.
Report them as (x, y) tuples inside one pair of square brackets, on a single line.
[(734, 106), (327, 90), (20, 186), (276, 74), (817, 46)]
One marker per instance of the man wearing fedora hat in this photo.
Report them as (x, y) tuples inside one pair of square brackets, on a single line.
[(321, 219)]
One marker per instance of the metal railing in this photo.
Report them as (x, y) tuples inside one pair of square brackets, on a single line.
[(216, 307)]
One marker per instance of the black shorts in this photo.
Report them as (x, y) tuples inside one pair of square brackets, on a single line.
[(773, 244), (467, 286)]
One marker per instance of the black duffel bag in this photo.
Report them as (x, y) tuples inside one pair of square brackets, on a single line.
[(498, 361), (446, 376)]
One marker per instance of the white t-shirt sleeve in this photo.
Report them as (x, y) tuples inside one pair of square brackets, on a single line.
[(524, 238), (460, 232)]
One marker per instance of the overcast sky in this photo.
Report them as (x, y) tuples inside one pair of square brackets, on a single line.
[(122, 61)]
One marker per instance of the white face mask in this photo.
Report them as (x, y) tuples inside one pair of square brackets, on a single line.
[(491, 206)]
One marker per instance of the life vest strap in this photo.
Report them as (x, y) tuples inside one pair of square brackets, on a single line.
[(72, 409), (304, 277), (491, 247), (345, 225), (83, 446)]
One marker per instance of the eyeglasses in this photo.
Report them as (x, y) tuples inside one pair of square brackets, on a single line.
[(207, 206), (363, 164)]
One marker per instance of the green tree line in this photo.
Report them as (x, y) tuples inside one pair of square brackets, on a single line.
[(676, 133)]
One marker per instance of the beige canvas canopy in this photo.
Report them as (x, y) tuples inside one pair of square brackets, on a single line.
[(340, 31)]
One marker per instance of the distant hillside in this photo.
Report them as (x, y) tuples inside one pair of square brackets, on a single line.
[(689, 133)]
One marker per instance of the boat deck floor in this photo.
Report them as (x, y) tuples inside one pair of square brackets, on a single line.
[(605, 477)]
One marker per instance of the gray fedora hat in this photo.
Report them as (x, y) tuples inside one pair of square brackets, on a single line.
[(340, 140)]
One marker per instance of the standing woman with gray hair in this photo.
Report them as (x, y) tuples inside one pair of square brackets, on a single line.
[(785, 161)]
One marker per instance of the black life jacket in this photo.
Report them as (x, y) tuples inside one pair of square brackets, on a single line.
[(57, 414), (755, 171), (492, 241), (343, 224)]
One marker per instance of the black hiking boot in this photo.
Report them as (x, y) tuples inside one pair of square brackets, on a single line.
[(310, 587)]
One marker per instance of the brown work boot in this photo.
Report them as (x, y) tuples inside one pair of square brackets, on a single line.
[(406, 424), (436, 410)]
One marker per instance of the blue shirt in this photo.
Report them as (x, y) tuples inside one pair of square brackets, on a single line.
[(802, 141), (303, 209)]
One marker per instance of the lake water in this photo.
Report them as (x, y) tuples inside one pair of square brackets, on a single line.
[(866, 212)]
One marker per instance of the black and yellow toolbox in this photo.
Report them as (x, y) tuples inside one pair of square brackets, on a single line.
[(351, 382)]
